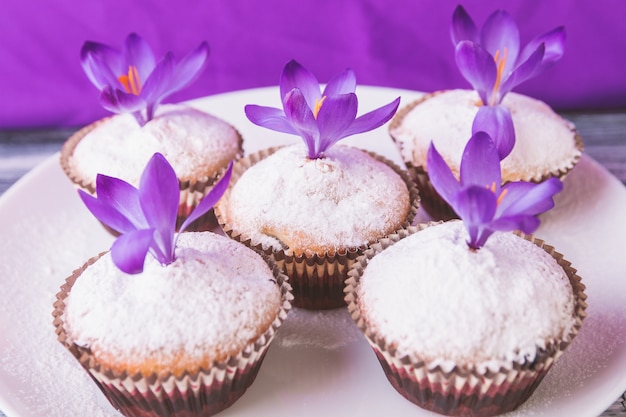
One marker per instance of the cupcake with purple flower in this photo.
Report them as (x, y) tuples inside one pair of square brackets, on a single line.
[(166, 323), (534, 143), (132, 85), (315, 206), (473, 316)]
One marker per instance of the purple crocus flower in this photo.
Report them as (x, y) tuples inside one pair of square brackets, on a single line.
[(490, 59), (146, 217), (484, 205), (132, 81), (321, 119)]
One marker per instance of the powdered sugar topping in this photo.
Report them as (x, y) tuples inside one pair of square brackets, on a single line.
[(346, 199), (544, 140), (214, 298), (196, 143), (448, 304)]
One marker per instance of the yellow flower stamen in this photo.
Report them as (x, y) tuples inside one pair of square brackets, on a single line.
[(501, 196), (318, 106), (500, 64), (492, 188), (131, 81)]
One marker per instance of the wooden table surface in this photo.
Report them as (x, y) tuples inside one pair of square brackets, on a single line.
[(604, 135)]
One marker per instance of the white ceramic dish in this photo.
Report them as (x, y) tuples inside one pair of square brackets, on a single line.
[(319, 363)]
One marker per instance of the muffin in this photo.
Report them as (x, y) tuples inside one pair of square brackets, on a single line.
[(198, 145), (465, 332), (546, 145), (186, 339), (315, 216)]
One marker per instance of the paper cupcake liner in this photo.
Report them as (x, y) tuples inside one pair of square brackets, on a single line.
[(191, 191), (463, 391), (317, 279), (200, 393), (438, 208)]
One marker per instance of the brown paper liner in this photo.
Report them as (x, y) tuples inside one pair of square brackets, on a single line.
[(431, 201), (192, 191), (317, 279), (199, 393), (463, 391)]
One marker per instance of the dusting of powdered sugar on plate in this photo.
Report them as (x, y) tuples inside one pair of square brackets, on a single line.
[(325, 329), (41, 369)]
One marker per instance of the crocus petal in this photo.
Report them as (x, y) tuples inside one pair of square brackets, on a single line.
[(159, 193), (210, 199), (122, 197), (101, 63), (441, 177), (106, 214), (521, 222), (118, 101), (137, 52), (476, 206), (526, 70), (129, 251), (497, 122), (529, 198), (463, 27), (342, 83), (270, 118), (334, 117), (301, 118), (372, 119), (189, 68), (477, 67), (480, 163), (296, 76), (554, 42), (500, 33), (158, 85)]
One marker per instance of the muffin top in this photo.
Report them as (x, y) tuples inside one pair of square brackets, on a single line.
[(545, 142), (451, 306), (346, 199), (212, 301), (197, 144)]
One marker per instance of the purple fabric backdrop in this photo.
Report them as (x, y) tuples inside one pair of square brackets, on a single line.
[(402, 44)]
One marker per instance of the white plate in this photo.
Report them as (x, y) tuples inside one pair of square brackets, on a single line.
[(319, 364)]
